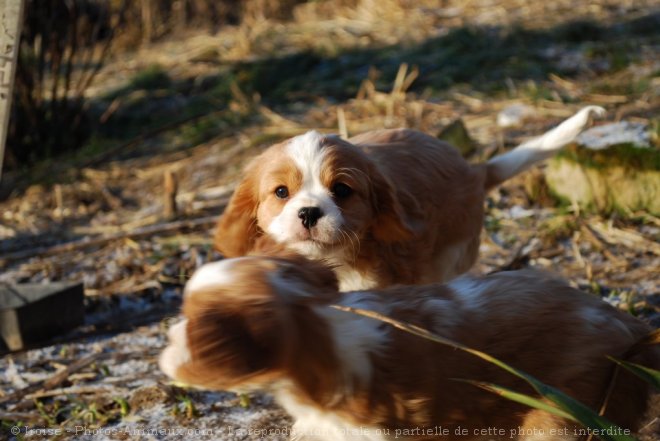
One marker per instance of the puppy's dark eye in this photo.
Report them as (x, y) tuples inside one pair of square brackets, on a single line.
[(341, 190), (282, 192)]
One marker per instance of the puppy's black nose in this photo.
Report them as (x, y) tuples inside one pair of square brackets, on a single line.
[(309, 216)]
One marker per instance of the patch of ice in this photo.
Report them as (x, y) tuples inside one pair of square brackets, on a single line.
[(131, 367), (518, 212), (12, 375)]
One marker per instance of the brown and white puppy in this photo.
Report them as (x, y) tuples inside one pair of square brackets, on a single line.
[(267, 323), (385, 207)]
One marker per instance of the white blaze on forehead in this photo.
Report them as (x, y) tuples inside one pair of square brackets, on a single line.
[(176, 353), (212, 275), (307, 154)]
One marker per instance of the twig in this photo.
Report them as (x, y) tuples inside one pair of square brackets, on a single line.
[(61, 376), (629, 239), (42, 389), (519, 257), (341, 123), (75, 391), (597, 242), (20, 416), (276, 118), (59, 201)]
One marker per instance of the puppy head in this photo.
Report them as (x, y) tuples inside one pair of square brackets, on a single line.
[(312, 193), (245, 318)]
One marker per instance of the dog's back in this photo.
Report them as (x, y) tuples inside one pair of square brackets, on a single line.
[(537, 324), (442, 197)]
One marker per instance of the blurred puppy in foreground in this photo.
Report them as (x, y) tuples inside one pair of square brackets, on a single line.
[(267, 323)]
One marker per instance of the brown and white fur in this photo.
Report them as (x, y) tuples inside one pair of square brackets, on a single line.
[(385, 207), (267, 323)]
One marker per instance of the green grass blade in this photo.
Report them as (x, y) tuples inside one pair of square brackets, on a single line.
[(586, 416), (578, 411), (649, 375), (518, 397)]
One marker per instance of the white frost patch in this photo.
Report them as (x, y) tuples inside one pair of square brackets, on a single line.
[(230, 422), (13, 376), (130, 367), (138, 342), (221, 417)]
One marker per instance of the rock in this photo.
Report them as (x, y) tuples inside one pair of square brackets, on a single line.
[(615, 169), (515, 115), (457, 135)]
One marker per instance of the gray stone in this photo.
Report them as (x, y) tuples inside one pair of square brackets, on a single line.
[(619, 133)]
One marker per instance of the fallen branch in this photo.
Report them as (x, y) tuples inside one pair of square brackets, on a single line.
[(590, 235), (94, 242), (77, 365), (43, 389), (78, 390), (25, 417), (629, 239), (53, 381)]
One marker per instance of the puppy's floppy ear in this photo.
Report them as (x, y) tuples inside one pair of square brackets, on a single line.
[(229, 343), (237, 227), (389, 224)]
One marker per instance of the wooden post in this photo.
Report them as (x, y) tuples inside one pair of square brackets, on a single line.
[(169, 201), (11, 17), (147, 21)]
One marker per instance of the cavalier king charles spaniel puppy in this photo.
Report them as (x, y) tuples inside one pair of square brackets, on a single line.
[(385, 207), (269, 323)]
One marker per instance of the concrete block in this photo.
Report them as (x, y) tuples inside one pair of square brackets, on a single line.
[(33, 312)]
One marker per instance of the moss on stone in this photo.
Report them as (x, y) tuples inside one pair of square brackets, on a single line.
[(620, 179)]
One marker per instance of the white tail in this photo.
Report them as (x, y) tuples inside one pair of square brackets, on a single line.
[(502, 167)]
